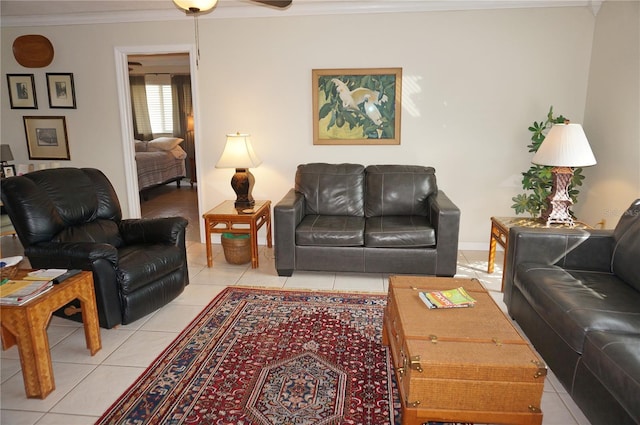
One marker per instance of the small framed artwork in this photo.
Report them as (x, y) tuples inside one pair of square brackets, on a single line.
[(8, 170), (46, 137), (61, 90), (356, 106), (22, 91)]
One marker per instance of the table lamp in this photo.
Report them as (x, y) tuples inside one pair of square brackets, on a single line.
[(239, 154), (564, 147), (5, 154)]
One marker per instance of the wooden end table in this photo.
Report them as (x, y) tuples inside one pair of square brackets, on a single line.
[(26, 326), (225, 218), (500, 234)]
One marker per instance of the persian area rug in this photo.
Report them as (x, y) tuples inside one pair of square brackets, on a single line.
[(270, 357)]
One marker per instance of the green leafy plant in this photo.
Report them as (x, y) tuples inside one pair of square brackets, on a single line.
[(537, 181)]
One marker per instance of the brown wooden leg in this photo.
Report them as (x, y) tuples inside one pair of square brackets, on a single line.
[(254, 246), (90, 319), (492, 250), (207, 233), (30, 331)]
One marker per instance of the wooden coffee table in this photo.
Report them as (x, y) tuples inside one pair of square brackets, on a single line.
[(26, 326), (462, 364)]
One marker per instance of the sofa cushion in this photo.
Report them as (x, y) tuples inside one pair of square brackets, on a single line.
[(627, 249), (615, 360), (332, 189), (399, 231), (328, 230), (576, 302), (398, 189)]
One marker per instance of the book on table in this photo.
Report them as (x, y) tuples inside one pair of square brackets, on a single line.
[(45, 274), (450, 298), (19, 291)]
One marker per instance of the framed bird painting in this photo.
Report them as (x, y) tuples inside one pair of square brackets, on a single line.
[(356, 106)]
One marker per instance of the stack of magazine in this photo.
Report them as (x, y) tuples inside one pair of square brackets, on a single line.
[(34, 284), (451, 298)]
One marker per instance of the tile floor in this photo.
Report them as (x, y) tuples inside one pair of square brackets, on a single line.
[(82, 393), (86, 386)]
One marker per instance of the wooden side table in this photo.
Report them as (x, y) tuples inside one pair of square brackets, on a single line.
[(500, 234), (26, 326), (225, 218)]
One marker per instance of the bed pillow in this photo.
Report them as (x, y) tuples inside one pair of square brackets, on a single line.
[(165, 143), (140, 146)]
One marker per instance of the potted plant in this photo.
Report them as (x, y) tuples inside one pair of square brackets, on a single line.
[(537, 180)]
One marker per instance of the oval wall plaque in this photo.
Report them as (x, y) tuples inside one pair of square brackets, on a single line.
[(33, 51)]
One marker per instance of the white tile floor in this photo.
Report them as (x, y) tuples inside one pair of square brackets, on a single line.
[(86, 386)]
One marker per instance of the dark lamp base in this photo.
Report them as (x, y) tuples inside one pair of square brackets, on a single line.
[(242, 183)]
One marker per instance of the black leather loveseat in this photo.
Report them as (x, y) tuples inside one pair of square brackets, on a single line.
[(70, 218), (576, 295), (382, 218)]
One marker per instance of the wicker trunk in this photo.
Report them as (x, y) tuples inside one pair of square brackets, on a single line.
[(459, 364)]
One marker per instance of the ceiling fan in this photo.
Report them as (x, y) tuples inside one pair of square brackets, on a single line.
[(275, 3), (132, 64), (198, 6)]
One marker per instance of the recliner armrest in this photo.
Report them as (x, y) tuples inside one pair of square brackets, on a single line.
[(167, 230), (287, 214), (444, 216), (70, 255), (575, 249)]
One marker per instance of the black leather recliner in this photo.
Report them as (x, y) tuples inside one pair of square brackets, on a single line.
[(71, 218)]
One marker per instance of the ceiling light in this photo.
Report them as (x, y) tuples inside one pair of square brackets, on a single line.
[(195, 6)]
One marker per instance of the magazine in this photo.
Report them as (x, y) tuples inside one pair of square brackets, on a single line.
[(45, 274), (18, 292), (451, 298)]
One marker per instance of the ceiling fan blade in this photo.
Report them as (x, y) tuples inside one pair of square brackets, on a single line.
[(275, 3)]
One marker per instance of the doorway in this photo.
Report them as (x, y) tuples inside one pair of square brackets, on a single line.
[(157, 60)]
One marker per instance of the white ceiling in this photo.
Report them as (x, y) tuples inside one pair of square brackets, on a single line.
[(53, 12)]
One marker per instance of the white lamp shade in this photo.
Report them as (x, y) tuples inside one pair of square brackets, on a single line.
[(201, 5), (238, 153), (565, 145)]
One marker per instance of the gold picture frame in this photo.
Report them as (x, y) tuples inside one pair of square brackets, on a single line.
[(356, 106), (46, 137)]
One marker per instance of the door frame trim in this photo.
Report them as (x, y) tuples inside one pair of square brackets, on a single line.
[(124, 103)]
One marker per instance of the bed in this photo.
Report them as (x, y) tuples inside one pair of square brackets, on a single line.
[(160, 161)]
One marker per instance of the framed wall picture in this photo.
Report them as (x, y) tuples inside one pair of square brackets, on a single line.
[(61, 90), (46, 137), (356, 106), (8, 170), (22, 91)]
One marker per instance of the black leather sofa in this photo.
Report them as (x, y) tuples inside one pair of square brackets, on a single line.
[(70, 218), (382, 218), (576, 295)]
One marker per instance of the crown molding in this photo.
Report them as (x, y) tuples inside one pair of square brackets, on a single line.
[(298, 8)]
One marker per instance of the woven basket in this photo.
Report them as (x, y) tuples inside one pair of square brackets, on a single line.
[(237, 248), (8, 272)]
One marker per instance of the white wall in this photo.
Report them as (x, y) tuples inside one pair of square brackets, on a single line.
[(612, 115), (473, 83)]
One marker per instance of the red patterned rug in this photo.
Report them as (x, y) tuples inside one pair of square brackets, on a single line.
[(268, 357)]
